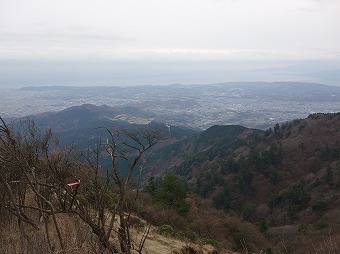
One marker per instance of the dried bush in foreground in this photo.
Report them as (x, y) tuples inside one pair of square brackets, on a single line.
[(40, 182)]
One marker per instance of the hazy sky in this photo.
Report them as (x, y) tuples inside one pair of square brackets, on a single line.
[(130, 42)]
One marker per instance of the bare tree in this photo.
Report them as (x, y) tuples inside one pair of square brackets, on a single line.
[(23, 173), (108, 212), (35, 178)]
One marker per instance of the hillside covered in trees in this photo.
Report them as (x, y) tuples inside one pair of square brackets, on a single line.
[(229, 187), (285, 180)]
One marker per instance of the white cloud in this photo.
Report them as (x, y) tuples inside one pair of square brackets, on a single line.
[(192, 29), (193, 25)]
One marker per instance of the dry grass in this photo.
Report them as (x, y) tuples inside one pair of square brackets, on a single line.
[(291, 239), (78, 238)]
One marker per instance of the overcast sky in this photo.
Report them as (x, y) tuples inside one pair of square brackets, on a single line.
[(130, 42)]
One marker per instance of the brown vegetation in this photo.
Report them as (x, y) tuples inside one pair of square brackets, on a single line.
[(35, 177), (277, 192)]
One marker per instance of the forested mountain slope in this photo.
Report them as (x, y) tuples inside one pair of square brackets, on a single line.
[(287, 176), (285, 181)]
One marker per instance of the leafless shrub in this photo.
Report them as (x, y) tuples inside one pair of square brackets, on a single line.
[(34, 176)]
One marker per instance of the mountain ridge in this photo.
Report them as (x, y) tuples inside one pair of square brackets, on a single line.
[(287, 176)]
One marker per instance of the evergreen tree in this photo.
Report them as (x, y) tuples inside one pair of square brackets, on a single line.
[(172, 193)]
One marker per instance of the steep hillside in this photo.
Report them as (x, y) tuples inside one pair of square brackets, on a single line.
[(197, 149), (288, 175), (285, 181)]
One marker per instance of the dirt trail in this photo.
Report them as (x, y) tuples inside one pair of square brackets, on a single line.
[(160, 244)]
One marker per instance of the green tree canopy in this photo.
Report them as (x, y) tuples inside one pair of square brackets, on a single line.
[(172, 193)]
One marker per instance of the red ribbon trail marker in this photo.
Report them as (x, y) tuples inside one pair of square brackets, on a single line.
[(75, 183)]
